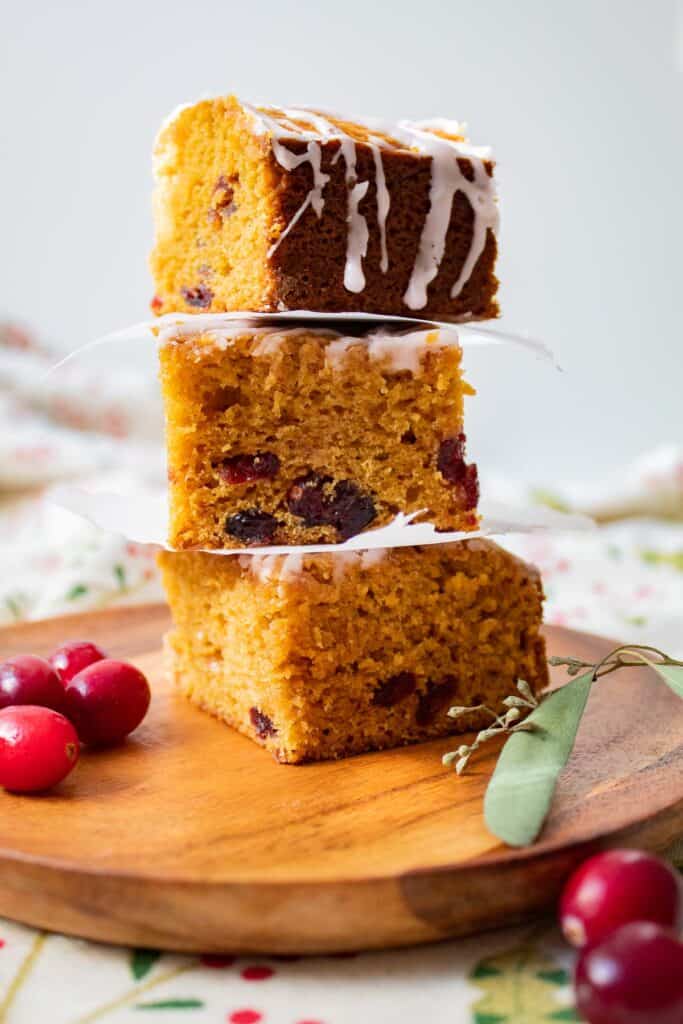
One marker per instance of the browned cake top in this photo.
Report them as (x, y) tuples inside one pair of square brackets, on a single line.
[(456, 166)]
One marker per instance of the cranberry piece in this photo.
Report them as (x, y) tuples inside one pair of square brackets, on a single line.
[(615, 888), (71, 657), (252, 526), (200, 297), (450, 462), (262, 723), (26, 679), (634, 977), (393, 690), (350, 510), (38, 748), (224, 205), (156, 305), (242, 469), (306, 499), (436, 697), (106, 701), (343, 506)]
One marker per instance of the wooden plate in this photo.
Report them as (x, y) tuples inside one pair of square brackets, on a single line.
[(192, 838)]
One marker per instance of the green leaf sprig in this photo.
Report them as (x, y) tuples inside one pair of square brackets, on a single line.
[(520, 792)]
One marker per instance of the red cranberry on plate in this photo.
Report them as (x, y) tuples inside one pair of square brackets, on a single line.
[(38, 748), (106, 701), (71, 657), (26, 679)]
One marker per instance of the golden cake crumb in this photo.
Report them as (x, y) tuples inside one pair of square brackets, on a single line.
[(319, 656), (304, 436)]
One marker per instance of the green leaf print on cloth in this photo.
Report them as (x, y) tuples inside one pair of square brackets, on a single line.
[(520, 987), (142, 961), (172, 1004)]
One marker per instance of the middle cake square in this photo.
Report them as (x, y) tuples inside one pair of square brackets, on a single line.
[(303, 435)]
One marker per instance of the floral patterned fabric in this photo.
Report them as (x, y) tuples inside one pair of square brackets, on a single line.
[(624, 580)]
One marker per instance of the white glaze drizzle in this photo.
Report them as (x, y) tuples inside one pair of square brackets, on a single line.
[(286, 568), (398, 352), (383, 205), (446, 180), (358, 233)]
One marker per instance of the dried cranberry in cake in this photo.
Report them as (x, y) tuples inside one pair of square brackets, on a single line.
[(394, 689), (243, 469), (436, 698), (224, 194), (306, 498), (343, 506), (156, 304), (262, 723), (471, 487), (252, 526), (200, 297), (350, 510), (451, 464)]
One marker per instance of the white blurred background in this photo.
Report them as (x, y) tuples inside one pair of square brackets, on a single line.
[(581, 101)]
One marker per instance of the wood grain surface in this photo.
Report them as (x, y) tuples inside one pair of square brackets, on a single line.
[(190, 837)]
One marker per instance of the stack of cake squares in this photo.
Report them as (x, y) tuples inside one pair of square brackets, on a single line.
[(302, 408)]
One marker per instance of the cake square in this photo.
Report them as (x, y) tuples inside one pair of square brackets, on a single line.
[(322, 655), (268, 210), (306, 436)]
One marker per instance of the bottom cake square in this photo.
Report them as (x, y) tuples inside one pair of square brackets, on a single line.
[(322, 655)]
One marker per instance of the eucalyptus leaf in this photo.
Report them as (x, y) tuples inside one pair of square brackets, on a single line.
[(671, 674), (521, 790)]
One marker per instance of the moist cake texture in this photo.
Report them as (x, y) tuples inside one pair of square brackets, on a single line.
[(268, 210), (324, 655), (303, 436)]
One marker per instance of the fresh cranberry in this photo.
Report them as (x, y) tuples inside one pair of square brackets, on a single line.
[(394, 689), (73, 656), (615, 888), (242, 469), (106, 701), (38, 748), (200, 297), (634, 977), (450, 462), (262, 723), (252, 526), (26, 679)]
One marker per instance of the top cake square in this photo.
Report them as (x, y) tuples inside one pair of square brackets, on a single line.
[(268, 210)]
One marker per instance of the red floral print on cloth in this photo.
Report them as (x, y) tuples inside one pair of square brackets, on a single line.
[(257, 973), (244, 1017)]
